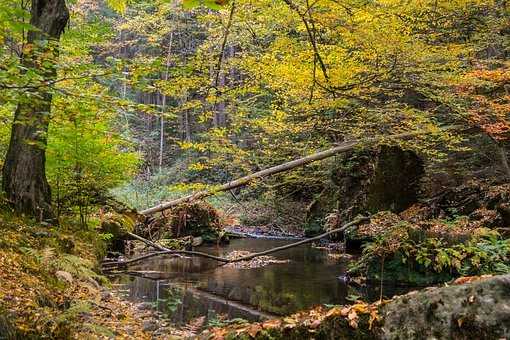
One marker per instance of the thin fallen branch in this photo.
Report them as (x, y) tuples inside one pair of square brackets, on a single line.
[(284, 167), (167, 252), (148, 242), (112, 264), (243, 258), (298, 243)]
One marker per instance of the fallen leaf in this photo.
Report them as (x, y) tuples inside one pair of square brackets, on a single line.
[(345, 311), (275, 323), (254, 329), (334, 312), (315, 324)]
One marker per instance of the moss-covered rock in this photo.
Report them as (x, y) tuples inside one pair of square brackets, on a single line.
[(387, 178), (117, 225), (396, 181), (479, 310), (197, 219)]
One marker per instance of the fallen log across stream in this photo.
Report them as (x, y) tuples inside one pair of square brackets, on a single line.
[(224, 260), (286, 166)]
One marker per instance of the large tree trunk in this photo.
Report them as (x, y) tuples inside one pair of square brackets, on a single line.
[(24, 176)]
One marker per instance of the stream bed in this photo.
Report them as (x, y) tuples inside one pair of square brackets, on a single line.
[(187, 288)]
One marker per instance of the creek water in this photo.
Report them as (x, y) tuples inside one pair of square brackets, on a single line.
[(186, 288)]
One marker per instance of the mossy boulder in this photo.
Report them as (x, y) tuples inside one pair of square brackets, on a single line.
[(197, 219), (386, 178), (118, 225), (396, 181), (479, 310)]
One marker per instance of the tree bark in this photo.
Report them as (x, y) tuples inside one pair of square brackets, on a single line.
[(163, 104), (24, 176), (220, 120)]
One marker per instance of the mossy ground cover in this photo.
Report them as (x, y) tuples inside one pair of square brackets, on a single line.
[(49, 287)]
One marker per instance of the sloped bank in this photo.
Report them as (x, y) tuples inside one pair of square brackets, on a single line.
[(478, 309), (50, 288)]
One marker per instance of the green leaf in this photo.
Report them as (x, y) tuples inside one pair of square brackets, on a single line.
[(212, 4), (118, 5), (189, 4)]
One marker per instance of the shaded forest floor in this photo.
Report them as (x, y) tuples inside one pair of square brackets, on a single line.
[(49, 287)]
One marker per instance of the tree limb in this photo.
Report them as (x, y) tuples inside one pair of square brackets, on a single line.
[(243, 258), (284, 167)]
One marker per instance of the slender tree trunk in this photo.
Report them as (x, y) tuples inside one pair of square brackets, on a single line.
[(163, 104), (185, 121), (24, 176), (219, 114), (187, 126)]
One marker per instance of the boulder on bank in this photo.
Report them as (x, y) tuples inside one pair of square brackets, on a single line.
[(387, 178), (396, 181), (118, 224), (197, 219), (479, 310), (475, 310)]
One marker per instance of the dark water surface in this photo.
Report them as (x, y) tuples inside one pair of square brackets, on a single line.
[(186, 288)]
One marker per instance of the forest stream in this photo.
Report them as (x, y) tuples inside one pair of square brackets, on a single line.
[(253, 170), (187, 288)]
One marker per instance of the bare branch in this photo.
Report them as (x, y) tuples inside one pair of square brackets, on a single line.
[(243, 258)]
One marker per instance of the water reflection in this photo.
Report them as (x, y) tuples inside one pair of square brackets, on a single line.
[(191, 287)]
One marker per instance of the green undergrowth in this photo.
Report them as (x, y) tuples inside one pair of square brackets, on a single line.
[(405, 254), (69, 242)]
